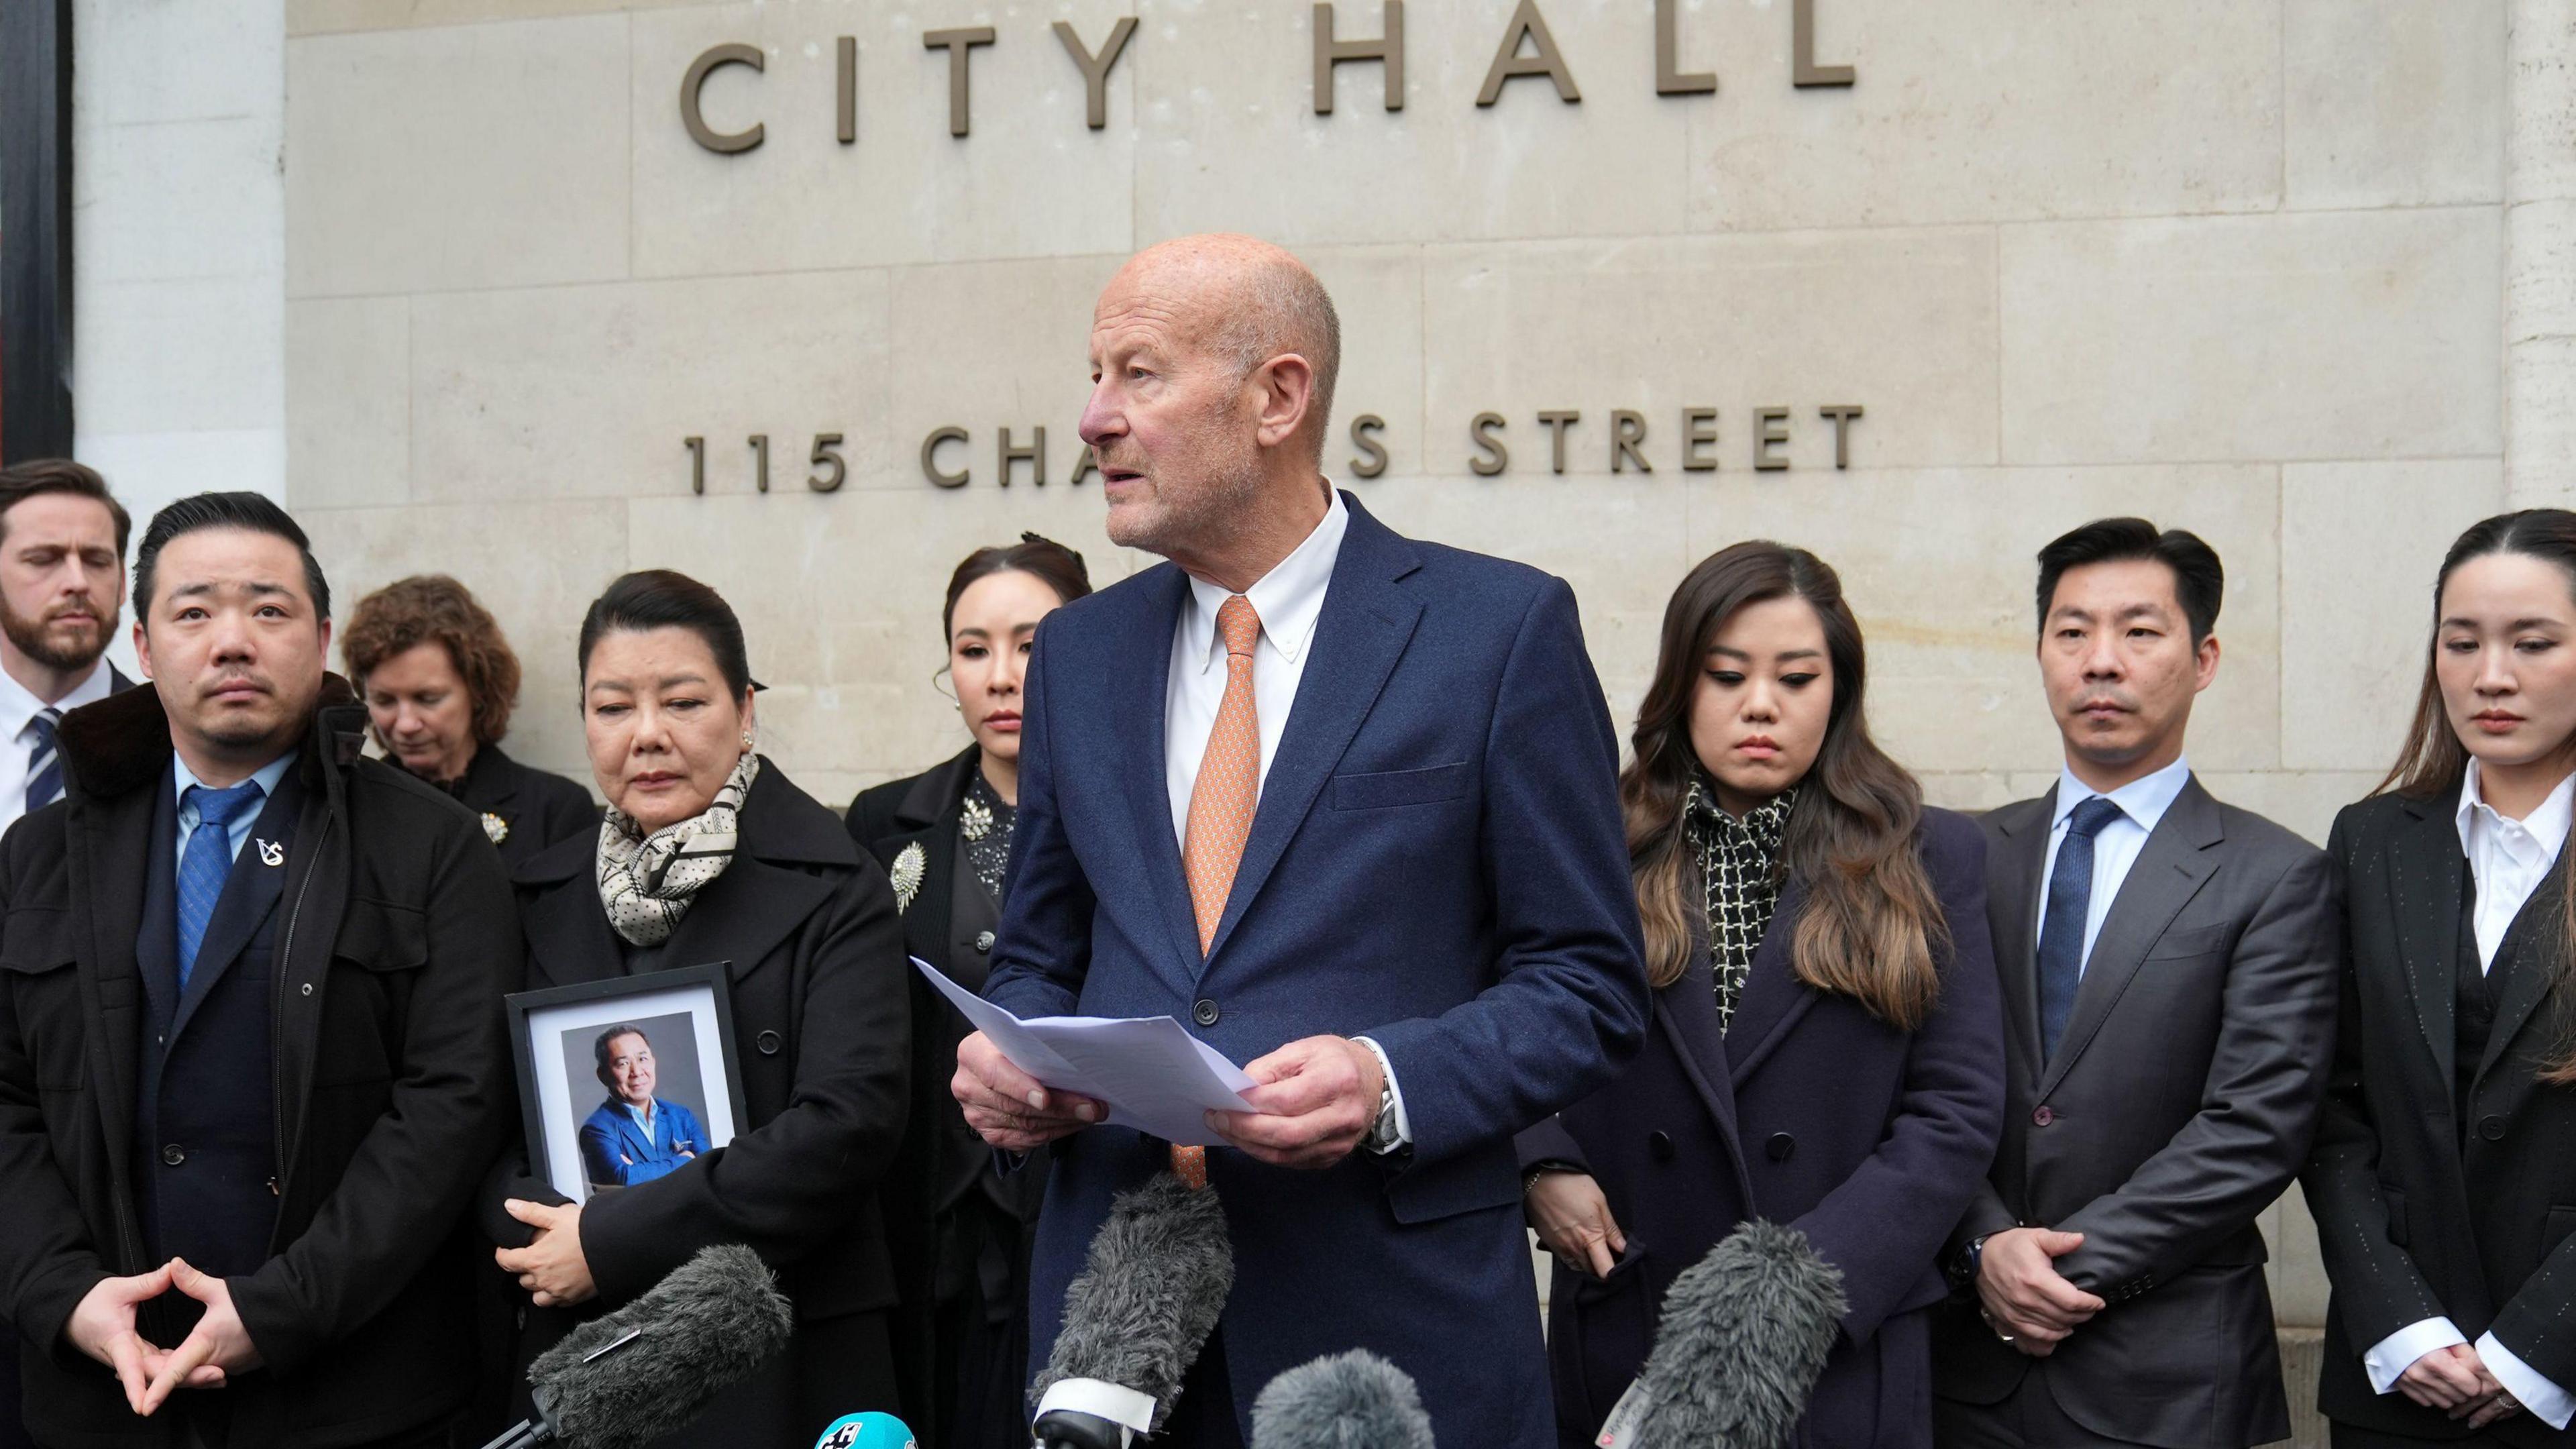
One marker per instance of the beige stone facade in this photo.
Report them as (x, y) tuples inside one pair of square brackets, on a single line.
[(2292, 273)]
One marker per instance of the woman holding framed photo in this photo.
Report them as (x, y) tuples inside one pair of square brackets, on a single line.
[(710, 857)]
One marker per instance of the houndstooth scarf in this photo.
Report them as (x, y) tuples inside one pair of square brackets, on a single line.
[(648, 881), (1739, 871)]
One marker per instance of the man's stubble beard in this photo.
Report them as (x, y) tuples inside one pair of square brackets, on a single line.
[(30, 638)]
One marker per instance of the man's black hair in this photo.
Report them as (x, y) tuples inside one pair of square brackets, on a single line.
[(2199, 580), (255, 512)]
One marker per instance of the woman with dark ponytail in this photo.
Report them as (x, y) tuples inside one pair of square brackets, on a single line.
[(1828, 1046), (2444, 1175)]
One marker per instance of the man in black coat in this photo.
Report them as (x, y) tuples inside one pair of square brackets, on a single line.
[(2168, 972), (251, 1054)]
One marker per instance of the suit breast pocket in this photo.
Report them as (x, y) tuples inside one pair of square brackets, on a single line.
[(1386, 789), (2191, 941)]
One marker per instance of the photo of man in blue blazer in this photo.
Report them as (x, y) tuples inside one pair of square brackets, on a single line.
[(631, 1137), (1345, 805)]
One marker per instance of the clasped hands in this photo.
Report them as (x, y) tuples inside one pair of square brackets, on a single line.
[(2455, 1381), (2027, 1302), (102, 1326), (1313, 1101)]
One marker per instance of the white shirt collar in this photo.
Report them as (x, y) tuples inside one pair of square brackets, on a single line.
[(2144, 800), (18, 706), (2546, 825), (1288, 600)]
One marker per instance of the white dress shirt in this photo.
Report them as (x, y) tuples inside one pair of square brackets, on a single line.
[(2142, 803), (236, 830), (1288, 600), (18, 710), (2508, 858)]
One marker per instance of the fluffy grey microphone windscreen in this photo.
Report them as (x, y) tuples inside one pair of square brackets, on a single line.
[(1148, 1295), (706, 1326), (1744, 1333), (1353, 1400)]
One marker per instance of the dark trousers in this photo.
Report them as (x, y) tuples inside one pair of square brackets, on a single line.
[(1203, 1417), (2026, 1418), (13, 1409), (2345, 1436)]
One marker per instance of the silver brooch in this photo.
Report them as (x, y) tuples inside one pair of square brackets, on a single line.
[(495, 827), (975, 819), (906, 875)]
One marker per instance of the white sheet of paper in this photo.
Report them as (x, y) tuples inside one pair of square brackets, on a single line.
[(1154, 1075)]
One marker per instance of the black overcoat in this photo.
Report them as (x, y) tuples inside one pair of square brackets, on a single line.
[(526, 807), (1807, 1111), (391, 1072), (806, 928)]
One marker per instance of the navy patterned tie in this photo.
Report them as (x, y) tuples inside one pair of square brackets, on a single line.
[(2061, 932), (44, 767), (205, 862)]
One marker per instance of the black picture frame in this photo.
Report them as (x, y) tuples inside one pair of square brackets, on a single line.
[(551, 1105)]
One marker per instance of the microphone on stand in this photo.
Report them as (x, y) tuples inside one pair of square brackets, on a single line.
[(1135, 1318), (1353, 1400), (636, 1374)]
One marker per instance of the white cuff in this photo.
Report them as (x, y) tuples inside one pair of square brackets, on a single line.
[(2539, 1397), (2392, 1356), (1403, 1124)]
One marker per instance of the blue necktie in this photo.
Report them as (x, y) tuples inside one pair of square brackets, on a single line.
[(206, 861), (2061, 931), (44, 767)]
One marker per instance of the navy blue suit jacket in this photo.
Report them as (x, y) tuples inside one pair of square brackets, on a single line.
[(1437, 862), (615, 1152), (1807, 1111)]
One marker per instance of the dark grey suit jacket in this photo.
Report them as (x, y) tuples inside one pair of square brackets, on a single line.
[(2179, 1105)]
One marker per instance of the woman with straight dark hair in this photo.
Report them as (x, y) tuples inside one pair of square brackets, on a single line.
[(1828, 1046), (2444, 1176), (962, 1228), (710, 856)]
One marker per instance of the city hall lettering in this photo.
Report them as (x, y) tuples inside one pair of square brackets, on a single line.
[(1526, 49)]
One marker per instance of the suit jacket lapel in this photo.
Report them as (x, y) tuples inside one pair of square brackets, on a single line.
[(2017, 863), (1139, 710), (2169, 871), (251, 891), (2531, 973), (1365, 624), (2426, 866), (1773, 998)]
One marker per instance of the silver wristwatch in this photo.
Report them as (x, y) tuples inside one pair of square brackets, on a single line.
[(1383, 1137)]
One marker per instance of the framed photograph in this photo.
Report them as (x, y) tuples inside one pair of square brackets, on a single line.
[(626, 1080)]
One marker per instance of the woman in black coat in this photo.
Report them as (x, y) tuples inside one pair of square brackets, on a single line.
[(2444, 1174), (710, 855), (944, 836), (439, 682), (1828, 1044)]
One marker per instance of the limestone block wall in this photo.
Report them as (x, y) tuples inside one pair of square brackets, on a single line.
[(2252, 267)]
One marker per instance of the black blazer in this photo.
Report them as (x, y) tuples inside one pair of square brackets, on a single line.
[(806, 927), (1809, 1112), (2416, 1223), (2178, 1106), (389, 1067), (526, 808)]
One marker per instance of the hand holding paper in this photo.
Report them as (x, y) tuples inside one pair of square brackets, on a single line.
[(1153, 1075)]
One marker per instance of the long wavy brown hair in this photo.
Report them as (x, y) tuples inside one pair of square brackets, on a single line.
[(2433, 762), (1871, 922)]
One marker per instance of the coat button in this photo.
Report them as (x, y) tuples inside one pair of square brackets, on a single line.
[(983, 940), (2042, 1117), (1780, 1146), (769, 1042), (1204, 1013), (172, 1155), (2491, 1128), (1660, 1144)]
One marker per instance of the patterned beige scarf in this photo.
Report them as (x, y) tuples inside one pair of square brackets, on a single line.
[(647, 882)]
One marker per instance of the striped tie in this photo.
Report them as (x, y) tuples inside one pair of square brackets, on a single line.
[(1221, 805), (44, 766)]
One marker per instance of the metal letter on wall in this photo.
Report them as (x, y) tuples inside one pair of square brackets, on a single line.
[(1331, 50), (1095, 68), (1770, 430), (1627, 430), (1841, 416), (930, 457), (1509, 62), (1557, 422), (846, 97), (722, 143), (959, 44), (1492, 457), (1803, 68), (1364, 431), (1034, 454), (1669, 79)]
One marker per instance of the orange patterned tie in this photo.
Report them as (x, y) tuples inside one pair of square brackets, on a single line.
[(1221, 805)]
